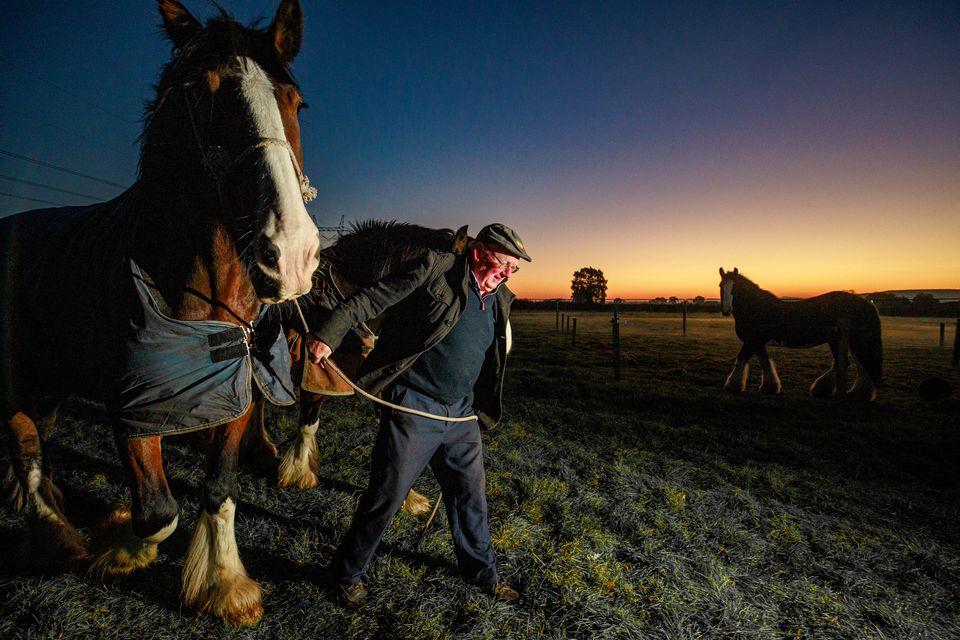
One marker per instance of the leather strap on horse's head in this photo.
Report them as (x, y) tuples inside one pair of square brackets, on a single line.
[(220, 164)]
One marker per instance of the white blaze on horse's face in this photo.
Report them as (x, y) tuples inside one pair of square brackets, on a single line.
[(287, 226), (726, 296)]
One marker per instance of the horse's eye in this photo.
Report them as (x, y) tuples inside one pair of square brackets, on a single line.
[(302, 106)]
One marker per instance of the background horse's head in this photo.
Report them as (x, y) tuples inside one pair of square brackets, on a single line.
[(222, 143), (727, 281)]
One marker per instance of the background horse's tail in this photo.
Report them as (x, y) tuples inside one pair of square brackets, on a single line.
[(866, 341)]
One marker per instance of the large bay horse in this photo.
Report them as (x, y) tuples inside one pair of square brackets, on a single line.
[(837, 318), (370, 251), (147, 302)]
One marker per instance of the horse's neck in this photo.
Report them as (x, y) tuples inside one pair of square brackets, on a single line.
[(748, 294), (193, 261)]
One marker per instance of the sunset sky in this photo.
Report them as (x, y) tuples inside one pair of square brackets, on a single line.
[(814, 145)]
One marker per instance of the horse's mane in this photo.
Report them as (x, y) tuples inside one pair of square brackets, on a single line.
[(746, 285), (374, 248)]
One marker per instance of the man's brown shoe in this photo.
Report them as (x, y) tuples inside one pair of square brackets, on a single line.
[(352, 596), (504, 593)]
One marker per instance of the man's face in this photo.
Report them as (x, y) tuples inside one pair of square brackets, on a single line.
[(492, 267)]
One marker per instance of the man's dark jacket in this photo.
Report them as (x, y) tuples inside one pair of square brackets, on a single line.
[(421, 302)]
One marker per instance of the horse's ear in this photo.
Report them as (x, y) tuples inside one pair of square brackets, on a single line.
[(287, 30), (459, 240), (179, 25), (722, 272), (736, 271)]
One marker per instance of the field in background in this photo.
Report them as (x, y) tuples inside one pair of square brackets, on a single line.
[(653, 507)]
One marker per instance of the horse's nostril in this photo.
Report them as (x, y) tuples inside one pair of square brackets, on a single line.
[(269, 252)]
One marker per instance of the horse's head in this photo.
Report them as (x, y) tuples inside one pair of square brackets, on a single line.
[(727, 281), (224, 132)]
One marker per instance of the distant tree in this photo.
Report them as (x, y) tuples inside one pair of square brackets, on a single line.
[(924, 300), (699, 300), (659, 300), (673, 300), (588, 285)]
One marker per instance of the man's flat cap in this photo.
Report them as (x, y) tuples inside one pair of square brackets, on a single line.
[(504, 237)]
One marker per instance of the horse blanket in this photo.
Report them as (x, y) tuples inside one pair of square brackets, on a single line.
[(188, 375)]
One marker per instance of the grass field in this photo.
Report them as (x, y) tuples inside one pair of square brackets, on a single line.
[(653, 507)]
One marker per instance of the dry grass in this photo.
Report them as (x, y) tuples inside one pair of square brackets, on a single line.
[(652, 507)]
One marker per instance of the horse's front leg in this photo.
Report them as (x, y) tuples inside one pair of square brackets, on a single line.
[(769, 378), (129, 537), (51, 542), (298, 468), (737, 380), (214, 579)]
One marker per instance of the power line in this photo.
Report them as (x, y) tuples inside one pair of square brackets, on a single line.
[(46, 186), (55, 167), (12, 195)]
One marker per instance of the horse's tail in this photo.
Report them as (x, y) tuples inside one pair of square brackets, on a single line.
[(866, 341)]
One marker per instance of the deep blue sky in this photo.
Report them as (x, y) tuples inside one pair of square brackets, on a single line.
[(655, 141)]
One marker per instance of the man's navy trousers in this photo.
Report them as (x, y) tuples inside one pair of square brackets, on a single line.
[(405, 445)]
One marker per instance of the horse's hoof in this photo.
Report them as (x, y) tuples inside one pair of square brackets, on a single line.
[(51, 547), (416, 504), (121, 551), (307, 480), (770, 389)]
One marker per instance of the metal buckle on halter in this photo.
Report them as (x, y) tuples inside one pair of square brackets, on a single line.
[(235, 342)]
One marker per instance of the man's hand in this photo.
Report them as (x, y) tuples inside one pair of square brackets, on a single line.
[(317, 350)]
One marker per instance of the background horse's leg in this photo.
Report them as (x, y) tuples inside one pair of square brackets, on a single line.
[(737, 380), (51, 542), (769, 378), (863, 388), (826, 385), (298, 468), (129, 537), (214, 579)]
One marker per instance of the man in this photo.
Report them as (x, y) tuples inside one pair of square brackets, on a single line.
[(442, 350)]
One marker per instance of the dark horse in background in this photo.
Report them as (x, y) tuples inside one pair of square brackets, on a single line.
[(214, 229), (837, 318), (371, 250)]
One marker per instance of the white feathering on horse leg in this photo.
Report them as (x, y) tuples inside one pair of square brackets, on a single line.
[(126, 552), (737, 380), (12, 489), (416, 504), (298, 467), (214, 579)]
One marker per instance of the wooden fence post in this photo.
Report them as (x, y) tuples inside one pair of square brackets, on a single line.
[(684, 318), (956, 345), (616, 342), (943, 327), (573, 339), (843, 357), (558, 315), (563, 319)]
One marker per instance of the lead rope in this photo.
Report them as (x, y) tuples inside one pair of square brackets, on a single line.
[(373, 398), (395, 407)]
